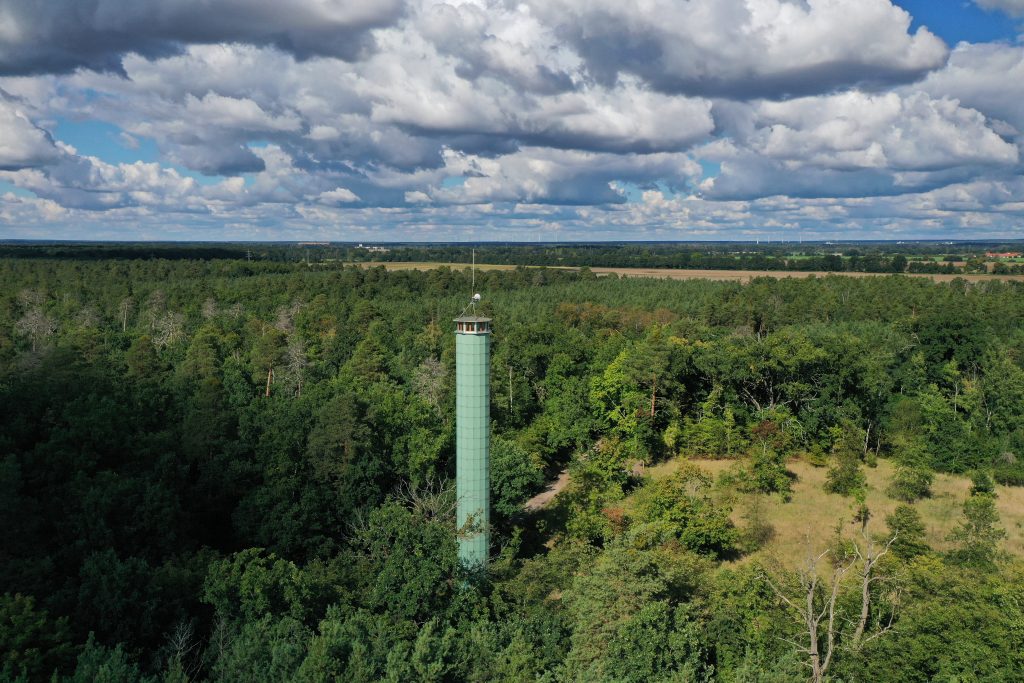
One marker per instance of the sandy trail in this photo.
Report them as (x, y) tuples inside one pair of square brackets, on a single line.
[(542, 499)]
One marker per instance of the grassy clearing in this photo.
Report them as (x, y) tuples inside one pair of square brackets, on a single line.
[(812, 514)]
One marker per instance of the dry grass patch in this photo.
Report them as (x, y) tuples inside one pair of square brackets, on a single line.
[(813, 513)]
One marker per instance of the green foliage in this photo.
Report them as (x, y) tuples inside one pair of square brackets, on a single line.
[(31, 643), (757, 531), (910, 484), (765, 472), (954, 625), (515, 476), (948, 434), (680, 507), (1003, 389), (351, 646), (1008, 470), (404, 561), (905, 524), (253, 584), (713, 434), (979, 534), (262, 650), (845, 477), (168, 516), (746, 623), (982, 484), (598, 481), (613, 603), (98, 664), (657, 643)]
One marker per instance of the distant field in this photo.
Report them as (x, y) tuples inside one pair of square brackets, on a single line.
[(681, 274), (812, 513)]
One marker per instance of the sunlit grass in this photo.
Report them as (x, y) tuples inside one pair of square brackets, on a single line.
[(812, 514)]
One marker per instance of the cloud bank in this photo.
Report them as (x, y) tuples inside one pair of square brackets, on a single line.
[(456, 120), (62, 35)]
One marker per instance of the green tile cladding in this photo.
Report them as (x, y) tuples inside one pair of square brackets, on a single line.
[(472, 440)]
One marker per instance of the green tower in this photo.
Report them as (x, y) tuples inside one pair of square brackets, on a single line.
[(473, 437)]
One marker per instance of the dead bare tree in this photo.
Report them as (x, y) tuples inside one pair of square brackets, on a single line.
[(815, 602), (295, 363), (433, 499), (815, 607), (220, 638), (31, 298), (87, 318), (209, 309), (156, 304), (286, 317), (184, 649), (295, 353), (36, 325), (428, 380), (123, 309), (869, 555), (168, 328)]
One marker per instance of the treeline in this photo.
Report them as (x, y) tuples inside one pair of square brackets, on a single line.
[(128, 250), (817, 258), (721, 257), (866, 257), (240, 471)]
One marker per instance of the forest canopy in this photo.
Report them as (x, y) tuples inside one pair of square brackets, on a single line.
[(240, 470)]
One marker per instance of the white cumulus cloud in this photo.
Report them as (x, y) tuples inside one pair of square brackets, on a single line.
[(338, 195), (22, 143), (718, 117), (1013, 7)]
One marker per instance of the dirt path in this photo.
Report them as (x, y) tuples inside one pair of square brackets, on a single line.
[(541, 500)]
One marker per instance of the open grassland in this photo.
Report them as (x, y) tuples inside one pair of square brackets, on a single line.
[(684, 274), (812, 514)]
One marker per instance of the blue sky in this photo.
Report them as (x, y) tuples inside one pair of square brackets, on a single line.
[(428, 120), (957, 20), (105, 140)]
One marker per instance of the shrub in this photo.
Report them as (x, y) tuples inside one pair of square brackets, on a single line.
[(845, 478), (680, 506), (765, 473), (906, 523), (982, 484), (1009, 471), (979, 534), (1009, 475), (816, 456), (910, 484), (758, 531)]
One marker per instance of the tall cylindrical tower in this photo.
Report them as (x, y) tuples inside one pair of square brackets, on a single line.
[(473, 437)]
